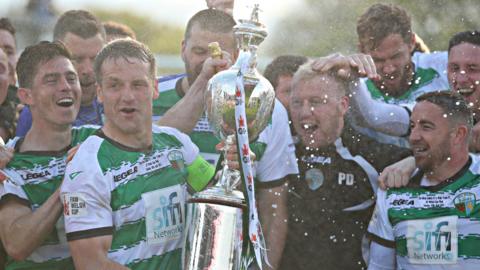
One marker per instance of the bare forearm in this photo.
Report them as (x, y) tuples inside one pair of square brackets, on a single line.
[(101, 264), (185, 113), (28, 231), (274, 217)]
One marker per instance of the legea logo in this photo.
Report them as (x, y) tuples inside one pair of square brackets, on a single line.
[(432, 241)]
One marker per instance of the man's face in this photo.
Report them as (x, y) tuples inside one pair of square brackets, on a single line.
[(317, 111), (195, 49), (430, 137), (4, 76), (83, 53), (55, 93), (282, 91), (7, 43), (127, 91), (464, 73), (393, 61)]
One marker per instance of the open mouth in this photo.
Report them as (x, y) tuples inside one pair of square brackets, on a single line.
[(127, 110), (419, 150), (65, 102), (466, 91), (309, 128), (87, 84)]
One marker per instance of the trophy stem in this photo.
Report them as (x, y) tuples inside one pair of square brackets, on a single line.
[(230, 178)]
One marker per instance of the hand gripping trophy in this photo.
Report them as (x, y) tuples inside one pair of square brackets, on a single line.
[(239, 104)]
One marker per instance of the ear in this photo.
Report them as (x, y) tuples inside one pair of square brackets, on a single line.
[(25, 95), (412, 43), (184, 45), (99, 93), (460, 135), (156, 92), (344, 103)]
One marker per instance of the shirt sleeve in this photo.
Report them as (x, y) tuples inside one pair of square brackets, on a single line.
[(380, 116), (200, 172), (279, 159), (85, 194), (379, 229)]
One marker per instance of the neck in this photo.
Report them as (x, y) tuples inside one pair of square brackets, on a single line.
[(139, 139), (185, 85), (40, 138), (448, 168)]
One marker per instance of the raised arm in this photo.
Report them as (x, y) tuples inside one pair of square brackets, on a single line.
[(185, 113), (377, 115)]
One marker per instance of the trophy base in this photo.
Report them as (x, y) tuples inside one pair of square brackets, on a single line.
[(213, 238)]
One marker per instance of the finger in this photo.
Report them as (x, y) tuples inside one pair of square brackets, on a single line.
[(220, 146), (398, 180), (338, 61), (360, 65), (381, 181), (373, 67), (404, 180)]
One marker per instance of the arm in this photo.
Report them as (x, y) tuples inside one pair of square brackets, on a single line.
[(272, 211), (91, 253), (398, 174), (380, 116), (22, 230), (185, 113)]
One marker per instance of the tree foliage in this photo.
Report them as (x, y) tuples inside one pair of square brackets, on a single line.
[(317, 28)]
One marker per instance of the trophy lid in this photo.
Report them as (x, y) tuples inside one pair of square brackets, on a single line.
[(252, 27)]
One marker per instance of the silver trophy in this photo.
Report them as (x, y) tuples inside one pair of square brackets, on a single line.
[(213, 238)]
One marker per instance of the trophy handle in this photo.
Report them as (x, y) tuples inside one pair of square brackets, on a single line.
[(230, 178)]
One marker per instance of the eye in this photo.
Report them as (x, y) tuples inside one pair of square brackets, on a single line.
[(72, 78)]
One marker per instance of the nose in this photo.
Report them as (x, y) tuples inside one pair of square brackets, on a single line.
[(306, 110), (388, 67), (64, 84), (461, 78), (86, 68), (414, 135), (127, 95)]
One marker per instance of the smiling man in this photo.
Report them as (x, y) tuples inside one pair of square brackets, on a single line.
[(125, 190), (385, 32), (84, 36), (31, 229), (432, 223), (331, 201)]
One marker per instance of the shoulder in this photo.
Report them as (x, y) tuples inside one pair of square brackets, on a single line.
[(170, 134), (166, 83), (434, 60)]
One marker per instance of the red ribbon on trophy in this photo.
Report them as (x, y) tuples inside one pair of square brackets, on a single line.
[(254, 227)]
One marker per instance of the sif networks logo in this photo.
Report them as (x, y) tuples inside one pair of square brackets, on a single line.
[(433, 241)]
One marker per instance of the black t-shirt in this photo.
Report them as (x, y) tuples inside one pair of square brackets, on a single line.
[(331, 202)]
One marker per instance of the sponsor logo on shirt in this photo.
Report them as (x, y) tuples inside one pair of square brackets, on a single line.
[(124, 175), (403, 202), (35, 175), (164, 214), (317, 159), (433, 241)]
